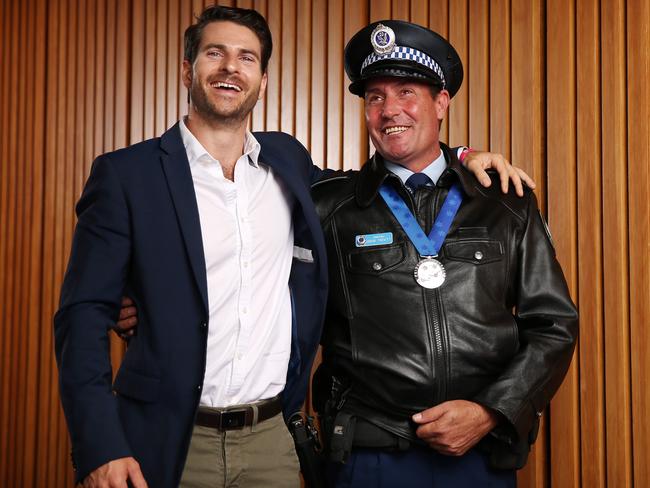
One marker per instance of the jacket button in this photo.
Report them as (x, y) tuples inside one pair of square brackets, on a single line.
[(204, 325), (199, 387), (478, 255), (377, 266)]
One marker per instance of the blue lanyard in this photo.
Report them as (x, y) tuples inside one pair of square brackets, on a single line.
[(431, 244)]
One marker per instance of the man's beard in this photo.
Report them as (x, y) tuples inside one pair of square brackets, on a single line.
[(210, 111)]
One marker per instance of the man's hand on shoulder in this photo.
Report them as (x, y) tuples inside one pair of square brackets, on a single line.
[(454, 427), (114, 474), (477, 162)]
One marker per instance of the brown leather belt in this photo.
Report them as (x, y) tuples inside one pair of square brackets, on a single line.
[(239, 416)]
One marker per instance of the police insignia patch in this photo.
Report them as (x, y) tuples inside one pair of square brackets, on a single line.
[(382, 39)]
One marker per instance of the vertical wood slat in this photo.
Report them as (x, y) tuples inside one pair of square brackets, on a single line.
[(500, 76), (561, 150), (8, 238), (185, 19), (590, 246), (150, 56), (138, 49), (302, 118), (55, 468), (4, 261), (615, 247), (174, 58), (288, 64), (19, 260), (36, 113), (161, 59), (49, 442), (459, 108), (479, 75), (380, 10), (638, 151), (420, 12), (527, 78), (439, 22), (400, 10), (122, 73), (273, 101), (319, 70), (335, 85), (355, 148), (46, 363), (258, 122), (520, 129)]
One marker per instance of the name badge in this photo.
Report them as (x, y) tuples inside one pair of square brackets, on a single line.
[(367, 240)]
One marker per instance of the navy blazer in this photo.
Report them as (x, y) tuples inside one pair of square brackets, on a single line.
[(138, 232)]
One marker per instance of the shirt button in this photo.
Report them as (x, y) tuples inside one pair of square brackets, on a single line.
[(245, 264), (377, 266), (244, 310), (478, 255)]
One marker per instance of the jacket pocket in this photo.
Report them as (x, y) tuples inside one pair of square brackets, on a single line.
[(474, 251), (375, 260), (137, 386)]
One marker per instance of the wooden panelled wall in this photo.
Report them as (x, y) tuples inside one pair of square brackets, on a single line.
[(560, 87)]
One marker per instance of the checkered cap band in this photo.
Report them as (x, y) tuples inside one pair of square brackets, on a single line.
[(407, 53)]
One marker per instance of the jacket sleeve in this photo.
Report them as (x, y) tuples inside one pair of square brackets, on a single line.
[(547, 323), (89, 306)]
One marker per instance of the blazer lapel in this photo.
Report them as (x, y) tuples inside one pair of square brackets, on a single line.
[(179, 180)]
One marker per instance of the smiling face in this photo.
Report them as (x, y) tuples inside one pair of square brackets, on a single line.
[(226, 79), (403, 119)]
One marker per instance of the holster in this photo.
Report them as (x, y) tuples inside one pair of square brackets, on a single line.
[(308, 449)]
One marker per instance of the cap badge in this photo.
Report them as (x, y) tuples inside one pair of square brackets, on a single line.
[(382, 39)]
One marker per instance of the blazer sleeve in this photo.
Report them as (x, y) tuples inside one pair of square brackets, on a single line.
[(547, 321), (89, 307)]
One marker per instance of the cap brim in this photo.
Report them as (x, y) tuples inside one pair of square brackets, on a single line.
[(393, 70)]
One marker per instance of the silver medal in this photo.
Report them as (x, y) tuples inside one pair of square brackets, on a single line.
[(430, 273)]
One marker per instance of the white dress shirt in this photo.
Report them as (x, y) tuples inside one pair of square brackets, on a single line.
[(247, 235)]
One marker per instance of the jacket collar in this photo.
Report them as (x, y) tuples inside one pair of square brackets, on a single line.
[(374, 173)]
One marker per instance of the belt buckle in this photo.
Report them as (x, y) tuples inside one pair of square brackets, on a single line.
[(232, 419)]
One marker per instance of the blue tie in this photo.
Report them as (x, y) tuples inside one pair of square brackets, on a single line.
[(416, 181)]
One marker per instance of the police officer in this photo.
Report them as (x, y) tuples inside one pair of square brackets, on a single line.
[(449, 325)]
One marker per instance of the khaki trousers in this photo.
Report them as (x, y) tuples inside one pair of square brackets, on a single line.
[(252, 457)]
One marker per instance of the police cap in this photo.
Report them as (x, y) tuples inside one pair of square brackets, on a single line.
[(405, 50)]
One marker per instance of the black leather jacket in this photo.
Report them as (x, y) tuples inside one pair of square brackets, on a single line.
[(500, 331)]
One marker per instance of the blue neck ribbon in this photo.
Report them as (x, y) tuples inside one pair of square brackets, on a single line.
[(426, 245)]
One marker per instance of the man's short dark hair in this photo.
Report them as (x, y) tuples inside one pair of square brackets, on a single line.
[(242, 16), (435, 88)]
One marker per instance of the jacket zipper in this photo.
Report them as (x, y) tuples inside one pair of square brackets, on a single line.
[(433, 297)]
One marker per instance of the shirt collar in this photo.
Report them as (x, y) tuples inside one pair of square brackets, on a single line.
[(375, 172), (196, 152), (433, 170)]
